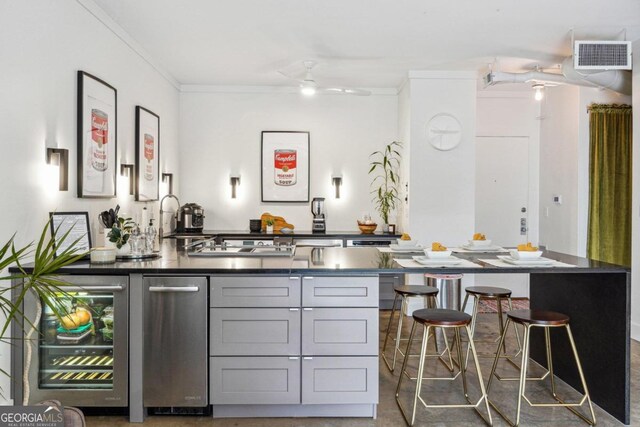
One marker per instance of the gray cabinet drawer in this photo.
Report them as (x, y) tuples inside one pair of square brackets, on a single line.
[(330, 291), (255, 380), (339, 331), (255, 331), (255, 291), (341, 380)]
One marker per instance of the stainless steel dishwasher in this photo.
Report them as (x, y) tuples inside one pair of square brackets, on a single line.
[(175, 342)]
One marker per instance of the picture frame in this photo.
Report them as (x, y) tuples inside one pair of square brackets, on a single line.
[(97, 134), (78, 223), (147, 155), (285, 166)]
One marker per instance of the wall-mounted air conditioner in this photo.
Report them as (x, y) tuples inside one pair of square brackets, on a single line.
[(602, 55)]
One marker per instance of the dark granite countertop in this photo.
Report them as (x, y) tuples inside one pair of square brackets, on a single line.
[(319, 261), (330, 234)]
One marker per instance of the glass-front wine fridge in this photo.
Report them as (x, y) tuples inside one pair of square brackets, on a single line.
[(81, 358)]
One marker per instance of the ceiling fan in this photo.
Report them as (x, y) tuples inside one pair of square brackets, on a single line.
[(309, 86)]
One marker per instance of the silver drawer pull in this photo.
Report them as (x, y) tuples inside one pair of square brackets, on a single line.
[(294, 358), (294, 278), (308, 358), (174, 288), (89, 288), (308, 277), (308, 309), (294, 309)]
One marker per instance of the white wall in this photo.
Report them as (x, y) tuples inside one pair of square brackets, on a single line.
[(441, 189), (220, 134), (564, 165), (43, 44)]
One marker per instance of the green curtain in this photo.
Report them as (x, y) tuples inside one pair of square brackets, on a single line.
[(609, 232)]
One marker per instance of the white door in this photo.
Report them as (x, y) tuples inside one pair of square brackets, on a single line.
[(502, 189), (502, 192)]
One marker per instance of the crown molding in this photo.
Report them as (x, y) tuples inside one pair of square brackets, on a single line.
[(272, 90), (97, 12)]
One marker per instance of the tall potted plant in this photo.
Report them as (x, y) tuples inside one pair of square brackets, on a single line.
[(40, 280), (385, 165)]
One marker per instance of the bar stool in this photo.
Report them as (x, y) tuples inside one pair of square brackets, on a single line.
[(496, 294), (442, 318), (403, 292), (546, 320)]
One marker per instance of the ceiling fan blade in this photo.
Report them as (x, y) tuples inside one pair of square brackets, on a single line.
[(346, 91)]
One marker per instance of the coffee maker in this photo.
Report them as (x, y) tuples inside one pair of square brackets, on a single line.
[(317, 209)]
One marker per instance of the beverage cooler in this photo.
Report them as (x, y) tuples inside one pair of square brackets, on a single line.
[(82, 360)]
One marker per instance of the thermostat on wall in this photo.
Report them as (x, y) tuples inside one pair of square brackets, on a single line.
[(557, 199)]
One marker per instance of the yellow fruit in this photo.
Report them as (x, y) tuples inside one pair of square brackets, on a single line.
[(437, 247), (405, 236), (479, 236), (70, 321), (83, 315)]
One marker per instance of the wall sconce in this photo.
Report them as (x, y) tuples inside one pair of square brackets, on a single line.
[(234, 180), (127, 169), (60, 157), (168, 177), (337, 183)]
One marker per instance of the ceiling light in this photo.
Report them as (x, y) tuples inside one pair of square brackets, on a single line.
[(538, 87), (308, 86)]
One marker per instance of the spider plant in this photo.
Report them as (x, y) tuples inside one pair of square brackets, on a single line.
[(385, 165)]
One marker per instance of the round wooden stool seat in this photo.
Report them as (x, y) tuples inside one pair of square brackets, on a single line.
[(488, 291), (415, 290), (441, 317), (539, 317)]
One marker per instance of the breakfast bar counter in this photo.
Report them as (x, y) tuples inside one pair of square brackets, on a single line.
[(594, 294)]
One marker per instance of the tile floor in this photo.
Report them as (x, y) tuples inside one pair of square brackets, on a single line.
[(503, 394)]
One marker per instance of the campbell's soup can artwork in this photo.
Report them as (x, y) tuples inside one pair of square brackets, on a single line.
[(99, 138), (149, 155), (286, 167)]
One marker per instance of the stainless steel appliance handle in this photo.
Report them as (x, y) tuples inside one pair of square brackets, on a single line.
[(174, 288), (90, 288)]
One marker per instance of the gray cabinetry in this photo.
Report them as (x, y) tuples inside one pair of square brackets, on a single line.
[(334, 380), (340, 331), (332, 291), (255, 331), (255, 291), (303, 345), (255, 380)]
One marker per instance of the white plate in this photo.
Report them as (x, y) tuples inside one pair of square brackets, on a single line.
[(536, 261), (396, 248), (482, 248), (437, 261)]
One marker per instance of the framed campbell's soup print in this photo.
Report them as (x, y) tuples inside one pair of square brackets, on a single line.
[(285, 166), (97, 137), (147, 155)]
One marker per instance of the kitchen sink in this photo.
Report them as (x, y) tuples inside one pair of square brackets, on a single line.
[(208, 249)]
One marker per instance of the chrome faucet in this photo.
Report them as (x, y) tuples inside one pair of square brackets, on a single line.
[(160, 227)]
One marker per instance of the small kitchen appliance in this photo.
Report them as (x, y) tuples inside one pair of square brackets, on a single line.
[(317, 209), (190, 218)]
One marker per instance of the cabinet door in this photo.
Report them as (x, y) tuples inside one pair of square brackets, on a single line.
[(387, 294), (255, 380), (340, 331), (255, 332), (341, 380), (255, 291), (343, 291)]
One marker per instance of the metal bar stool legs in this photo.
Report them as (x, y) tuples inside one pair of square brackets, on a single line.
[(431, 319), (546, 320), (430, 302)]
